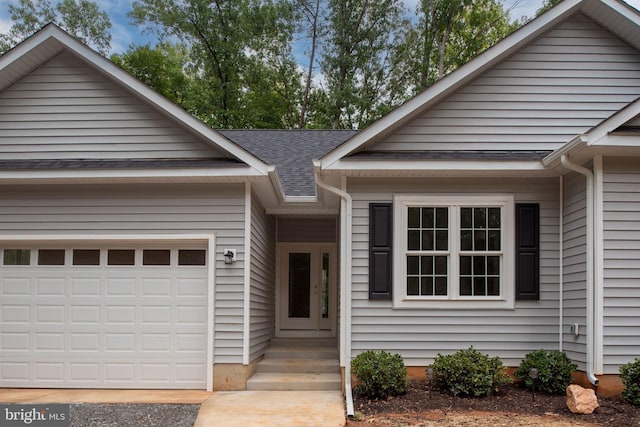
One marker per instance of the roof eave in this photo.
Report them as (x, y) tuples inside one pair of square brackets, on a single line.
[(454, 80), (112, 71), (598, 138), (429, 168), (53, 176)]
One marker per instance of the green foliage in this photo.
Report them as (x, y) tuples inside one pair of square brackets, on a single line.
[(240, 61), (160, 67), (630, 376), (554, 371), (468, 373), (82, 19), (381, 374)]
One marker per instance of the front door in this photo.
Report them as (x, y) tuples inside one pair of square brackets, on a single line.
[(307, 290)]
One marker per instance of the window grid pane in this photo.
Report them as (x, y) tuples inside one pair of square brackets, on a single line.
[(479, 275), (427, 275), (480, 229), (428, 229)]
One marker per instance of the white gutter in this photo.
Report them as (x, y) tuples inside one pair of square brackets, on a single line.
[(560, 264), (345, 281), (598, 265), (590, 258)]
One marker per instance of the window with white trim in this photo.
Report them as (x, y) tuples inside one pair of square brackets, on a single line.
[(456, 250)]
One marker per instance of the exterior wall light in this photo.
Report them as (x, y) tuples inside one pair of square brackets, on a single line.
[(229, 256)]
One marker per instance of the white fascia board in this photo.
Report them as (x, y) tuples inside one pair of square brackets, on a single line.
[(577, 143), (27, 45), (300, 199), (125, 174), (624, 9), (26, 238), (134, 85), (599, 136), (454, 80), (276, 183), (616, 140), (426, 166), (298, 210)]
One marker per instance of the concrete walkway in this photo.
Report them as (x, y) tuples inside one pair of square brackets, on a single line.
[(230, 408), (273, 409)]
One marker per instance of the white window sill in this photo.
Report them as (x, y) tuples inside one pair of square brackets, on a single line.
[(444, 303)]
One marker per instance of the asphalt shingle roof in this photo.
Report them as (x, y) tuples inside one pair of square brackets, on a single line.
[(291, 151)]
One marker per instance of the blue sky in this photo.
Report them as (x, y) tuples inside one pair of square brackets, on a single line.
[(124, 33)]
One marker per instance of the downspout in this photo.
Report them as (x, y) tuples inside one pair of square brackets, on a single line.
[(560, 265), (590, 265), (345, 256)]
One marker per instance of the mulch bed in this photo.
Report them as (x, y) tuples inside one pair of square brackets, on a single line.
[(420, 403)]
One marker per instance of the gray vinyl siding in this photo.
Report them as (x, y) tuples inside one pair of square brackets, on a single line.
[(263, 280), (621, 263), (559, 86), (295, 230), (574, 267), (66, 110), (149, 209), (419, 334)]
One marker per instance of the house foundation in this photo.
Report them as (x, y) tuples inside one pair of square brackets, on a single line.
[(232, 376)]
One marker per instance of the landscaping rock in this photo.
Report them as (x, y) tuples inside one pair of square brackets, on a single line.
[(581, 400)]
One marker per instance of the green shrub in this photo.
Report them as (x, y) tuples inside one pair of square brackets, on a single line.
[(468, 373), (554, 371), (630, 376), (380, 374)]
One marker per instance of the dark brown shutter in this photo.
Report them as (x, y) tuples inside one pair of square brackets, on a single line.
[(380, 250), (527, 251)]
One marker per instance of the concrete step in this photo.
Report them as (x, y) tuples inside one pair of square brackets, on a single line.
[(305, 342), (300, 352), (277, 365), (294, 381)]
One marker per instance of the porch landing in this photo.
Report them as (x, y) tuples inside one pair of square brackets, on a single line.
[(301, 364)]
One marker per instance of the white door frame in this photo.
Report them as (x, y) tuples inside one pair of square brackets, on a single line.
[(211, 262), (281, 279)]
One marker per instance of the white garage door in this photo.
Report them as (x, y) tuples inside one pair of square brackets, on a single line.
[(106, 317)]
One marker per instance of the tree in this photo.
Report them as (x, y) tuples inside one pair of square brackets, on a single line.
[(548, 4), (239, 56), (312, 22), (448, 34), (161, 67), (82, 19), (355, 60)]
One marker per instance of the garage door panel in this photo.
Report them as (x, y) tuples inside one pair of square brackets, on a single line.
[(86, 287), (51, 286), (15, 286), (125, 287), (48, 341), (84, 342), (15, 314), (84, 372), (14, 341), (50, 314), (49, 371), (104, 326)]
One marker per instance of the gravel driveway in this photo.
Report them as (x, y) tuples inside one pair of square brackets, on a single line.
[(132, 415)]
